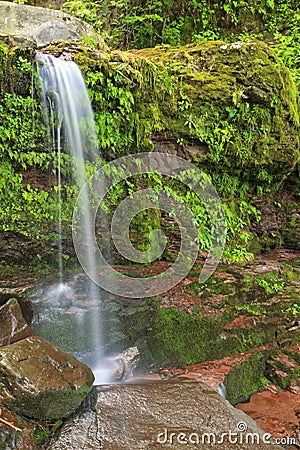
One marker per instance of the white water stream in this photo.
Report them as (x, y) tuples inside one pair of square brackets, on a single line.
[(71, 130)]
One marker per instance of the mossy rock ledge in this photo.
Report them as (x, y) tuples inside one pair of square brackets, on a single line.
[(236, 100), (226, 107), (40, 381)]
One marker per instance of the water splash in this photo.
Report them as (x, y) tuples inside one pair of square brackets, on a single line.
[(106, 371), (59, 294)]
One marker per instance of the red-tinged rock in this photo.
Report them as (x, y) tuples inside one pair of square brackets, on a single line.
[(242, 322), (272, 388), (295, 389), (281, 374), (277, 414), (226, 374), (287, 361)]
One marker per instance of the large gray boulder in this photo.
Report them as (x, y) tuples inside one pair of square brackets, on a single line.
[(171, 415), (30, 26), (40, 381)]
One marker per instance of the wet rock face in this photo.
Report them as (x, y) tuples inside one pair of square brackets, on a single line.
[(275, 412), (162, 415), (13, 327), (24, 302), (40, 381), (126, 362), (112, 369), (36, 27)]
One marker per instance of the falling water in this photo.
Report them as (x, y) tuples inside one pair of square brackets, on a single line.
[(71, 129), (221, 390)]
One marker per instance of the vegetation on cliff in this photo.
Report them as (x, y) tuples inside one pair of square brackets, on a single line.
[(231, 107)]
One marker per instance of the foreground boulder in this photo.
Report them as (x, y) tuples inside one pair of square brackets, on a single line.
[(13, 326), (171, 415), (38, 380)]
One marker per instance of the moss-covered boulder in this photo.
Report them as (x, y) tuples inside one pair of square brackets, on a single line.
[(246, 378), (40, 381), (237, 99), (225, 106)]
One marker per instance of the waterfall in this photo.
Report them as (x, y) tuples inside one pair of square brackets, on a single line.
[(71, 130)]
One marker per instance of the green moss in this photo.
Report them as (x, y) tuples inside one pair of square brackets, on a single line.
[(7, 440), (166, 334), (3, 63), (184, 338), (283, 371), (214, 285), (246, 378), (62, 403)]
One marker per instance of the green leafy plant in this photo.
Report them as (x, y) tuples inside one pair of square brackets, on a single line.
[(136, 24), (294, 309), (271, 283)]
